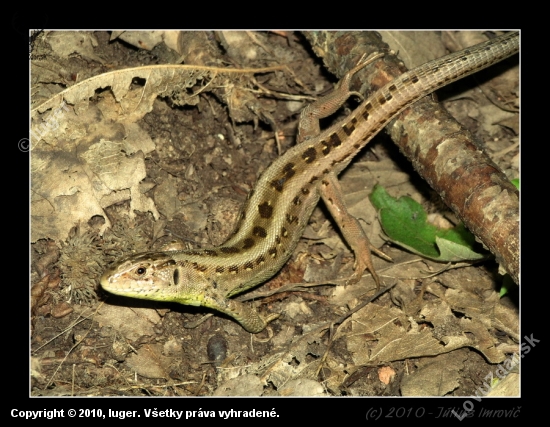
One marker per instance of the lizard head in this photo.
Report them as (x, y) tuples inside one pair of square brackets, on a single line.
[(152, 276)]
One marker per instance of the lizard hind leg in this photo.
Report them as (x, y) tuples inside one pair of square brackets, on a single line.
[(327, 105), (332, 195)]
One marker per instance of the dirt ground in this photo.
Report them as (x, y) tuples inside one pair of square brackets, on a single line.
[(140, 158)]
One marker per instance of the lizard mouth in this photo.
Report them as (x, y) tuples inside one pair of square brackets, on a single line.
[(104, 280)]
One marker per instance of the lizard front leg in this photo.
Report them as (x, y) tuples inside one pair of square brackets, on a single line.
[(247, 316)]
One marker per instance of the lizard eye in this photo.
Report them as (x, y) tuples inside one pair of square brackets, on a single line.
[(140, 271)]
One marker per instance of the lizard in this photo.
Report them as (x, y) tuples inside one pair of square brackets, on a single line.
[(279, 206)]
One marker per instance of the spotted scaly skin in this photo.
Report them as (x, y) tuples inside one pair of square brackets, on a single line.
[(279, 207)]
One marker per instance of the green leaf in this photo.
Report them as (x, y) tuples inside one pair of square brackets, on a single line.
[(405, 223), (507, 285), (516, 182)]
